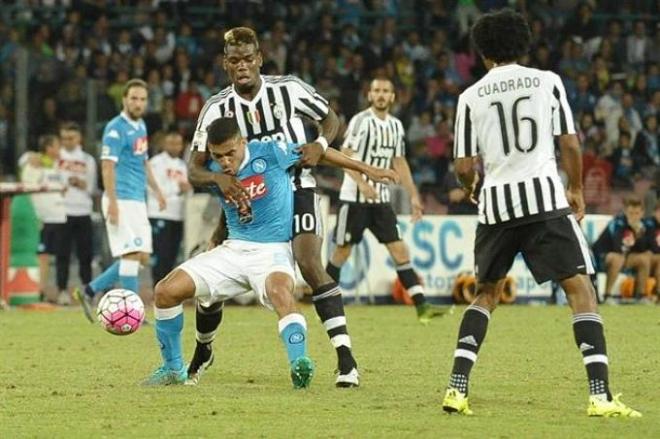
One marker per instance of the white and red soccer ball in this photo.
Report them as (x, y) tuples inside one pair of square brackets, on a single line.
[(120, 312)]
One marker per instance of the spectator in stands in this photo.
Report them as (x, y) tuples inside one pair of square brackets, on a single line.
[(582, 100), (639, 45), (622, 162), (624, 245), (646, 153)]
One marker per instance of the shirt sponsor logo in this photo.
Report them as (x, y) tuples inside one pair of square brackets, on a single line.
[(140, 146), (256, 186)]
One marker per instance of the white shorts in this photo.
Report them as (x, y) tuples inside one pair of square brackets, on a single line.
[(132, 233), (236, 267)]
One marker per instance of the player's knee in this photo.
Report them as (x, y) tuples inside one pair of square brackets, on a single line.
[(165, 295)]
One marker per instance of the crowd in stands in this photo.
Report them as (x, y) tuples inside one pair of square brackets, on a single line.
[(607, 53)]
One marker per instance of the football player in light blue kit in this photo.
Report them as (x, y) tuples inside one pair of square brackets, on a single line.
[(256, 256), (126, 172)]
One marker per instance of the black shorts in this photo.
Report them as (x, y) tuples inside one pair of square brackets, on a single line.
[(354, 218), (553, 249), (307, 212), (50, 240)]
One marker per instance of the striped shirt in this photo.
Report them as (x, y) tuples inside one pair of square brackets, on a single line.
[(273, 114), (509, 118), (374, 141)]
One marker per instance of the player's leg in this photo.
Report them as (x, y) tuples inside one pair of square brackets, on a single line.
[(557, 250), (613, 265), (57, 249), (291, 326), (351, 222), (641, 264), (169, 295), (83, 232), (328, 303), (383, 224), (655, 272), (159, 239), (207, 321), (494, 252), (338, 258)]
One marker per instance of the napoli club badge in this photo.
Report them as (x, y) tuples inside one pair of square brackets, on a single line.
[(259, 166)]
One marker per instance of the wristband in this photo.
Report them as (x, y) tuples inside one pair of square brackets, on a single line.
[(323, 142)]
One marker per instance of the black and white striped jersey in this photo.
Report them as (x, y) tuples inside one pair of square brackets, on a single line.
[(509, 118), (274, 114), (374, 141)]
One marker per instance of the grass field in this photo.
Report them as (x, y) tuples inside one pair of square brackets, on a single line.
[(61, 377)]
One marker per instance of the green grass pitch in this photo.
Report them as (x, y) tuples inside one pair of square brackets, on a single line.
[(62, 377)]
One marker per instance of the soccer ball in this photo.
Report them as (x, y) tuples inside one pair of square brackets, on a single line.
[(120, 312)]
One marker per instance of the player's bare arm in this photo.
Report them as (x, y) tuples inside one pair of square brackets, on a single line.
[(201, 177), (467, 176), (108, 175), (333, 157), (401, 167), (313, 153), (153, 184), (571, 161)]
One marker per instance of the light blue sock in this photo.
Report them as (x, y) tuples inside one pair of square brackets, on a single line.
[(169, 324), (293, 330), (105, 280), (128, 274)]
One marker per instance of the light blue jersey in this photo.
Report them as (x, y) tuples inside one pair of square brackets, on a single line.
[(125, 143), (264, 173)]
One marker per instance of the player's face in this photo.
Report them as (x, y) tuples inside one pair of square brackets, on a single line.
[(229, 154), (53, 150), (173, 145), (70, 138), (381, 94), (135, 102), (634, 214), (242, 64)]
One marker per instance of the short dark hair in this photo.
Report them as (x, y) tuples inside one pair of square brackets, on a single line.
[(70, 126), (222, 129), (46, 140), (633, 201), (241, 35), (135, 82), (502, 36)]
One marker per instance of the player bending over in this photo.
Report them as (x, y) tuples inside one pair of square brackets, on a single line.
[(256, 255), (509, 118)]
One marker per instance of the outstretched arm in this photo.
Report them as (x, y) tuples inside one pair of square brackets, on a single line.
[(335, 158), (401, 167), (313, 153), (153, 184)]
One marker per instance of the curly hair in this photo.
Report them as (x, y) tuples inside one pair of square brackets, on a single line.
[(502, 36), (241, 35)]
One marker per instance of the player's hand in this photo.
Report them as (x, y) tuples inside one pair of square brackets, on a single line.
[(417, 209), (184, 186), (233, 190), (368, 191), (380, 175), (113, 212), (311, 154), (576, 201), (471, 192), (162, 202)]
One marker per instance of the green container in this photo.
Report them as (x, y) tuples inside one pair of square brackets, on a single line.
[(24, 244)]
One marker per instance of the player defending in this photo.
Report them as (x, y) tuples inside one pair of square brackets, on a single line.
[(125, 172), (256, 256), (270, 108), (509, 118), (377, 137)]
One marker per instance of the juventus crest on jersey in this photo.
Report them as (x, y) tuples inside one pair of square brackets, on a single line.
[(274, 114), (509, 118), (374, 141)]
